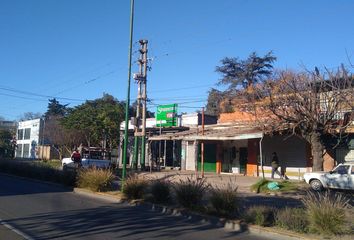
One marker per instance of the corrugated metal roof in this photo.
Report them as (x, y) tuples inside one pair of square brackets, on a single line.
[(214, 132)]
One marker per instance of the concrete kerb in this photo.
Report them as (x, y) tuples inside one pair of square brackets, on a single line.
[(230, 225)]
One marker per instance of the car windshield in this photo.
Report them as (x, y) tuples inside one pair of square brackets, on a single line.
[(342, 169)]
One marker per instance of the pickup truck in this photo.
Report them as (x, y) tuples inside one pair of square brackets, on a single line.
[(86, 163), (341, 177)]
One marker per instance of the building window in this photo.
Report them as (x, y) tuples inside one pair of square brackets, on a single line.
[(26, 150), (20, 134), (27, 133), (19, 150)]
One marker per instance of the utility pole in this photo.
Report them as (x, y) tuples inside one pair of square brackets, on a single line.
[(202, 145), (138, 78), (141, 80), (128, 95)]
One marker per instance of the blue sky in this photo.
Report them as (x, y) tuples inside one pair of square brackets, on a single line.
[(78, 49)]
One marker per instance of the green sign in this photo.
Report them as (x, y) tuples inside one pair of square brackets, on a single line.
[(166, 115)]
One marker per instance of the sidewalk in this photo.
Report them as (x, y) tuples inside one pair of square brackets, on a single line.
[(216, 180)]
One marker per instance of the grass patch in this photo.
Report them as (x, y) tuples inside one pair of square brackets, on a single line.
[(260, 215), (225, 200), (284, 186), (328, 214), (97, 180), (135, 188), (189, 193), (293, 219), (161, 191)]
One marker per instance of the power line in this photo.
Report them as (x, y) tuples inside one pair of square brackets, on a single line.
[(36, 94), (184, 88)]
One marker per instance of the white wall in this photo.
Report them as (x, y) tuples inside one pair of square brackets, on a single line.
[(190, 156), (33, 141)]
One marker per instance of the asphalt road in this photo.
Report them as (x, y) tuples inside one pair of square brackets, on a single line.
[(41, 211)]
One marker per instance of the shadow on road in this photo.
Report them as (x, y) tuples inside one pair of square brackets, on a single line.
[(10, 186), (115, 221)]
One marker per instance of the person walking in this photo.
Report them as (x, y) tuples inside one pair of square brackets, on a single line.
[(275, 165), (76, 157)]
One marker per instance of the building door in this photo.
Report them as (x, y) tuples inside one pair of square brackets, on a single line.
[(209, 158), (243, 160)]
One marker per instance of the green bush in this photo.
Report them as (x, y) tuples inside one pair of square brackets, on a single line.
[(327, 213), (294, 219), (37, 170), (97, 180), (189, 193), (134, 188), (225, 200), (260, 215), (160, 190)]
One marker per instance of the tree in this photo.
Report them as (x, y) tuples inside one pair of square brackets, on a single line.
[(63, 140), (6, 146), (30, 116), (98, 120), (56, 109), (215, 97), (307, 104), (254, 69)]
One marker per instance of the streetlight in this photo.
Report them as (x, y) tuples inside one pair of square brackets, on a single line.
[(128, 95)]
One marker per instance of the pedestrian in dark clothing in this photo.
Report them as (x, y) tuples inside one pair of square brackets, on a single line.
[(283, 171), (275, 165)]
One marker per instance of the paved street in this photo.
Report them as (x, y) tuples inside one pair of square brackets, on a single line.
[(43, 211)]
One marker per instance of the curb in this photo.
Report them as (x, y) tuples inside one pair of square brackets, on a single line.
[(230, 225), (99, 195)]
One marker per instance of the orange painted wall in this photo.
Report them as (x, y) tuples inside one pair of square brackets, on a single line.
[(219, 154), (253, 152)]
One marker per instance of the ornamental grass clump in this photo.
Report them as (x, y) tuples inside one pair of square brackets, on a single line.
[(293, 219), (97, 180), (260, 215), (225, 200), (328, 213), (160, 191), (189, 193), (134, 187)]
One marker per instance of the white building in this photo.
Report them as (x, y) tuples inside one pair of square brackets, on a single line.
[(28, 138)]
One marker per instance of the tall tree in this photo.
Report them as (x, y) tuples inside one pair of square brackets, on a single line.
[(215, 97), (98, 120), (236, 72), (310, 105), (63, 140), (55, 108)]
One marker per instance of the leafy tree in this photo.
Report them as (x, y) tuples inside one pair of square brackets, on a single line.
[(98, 120), (6, 147), (133, 108), (56, 109), (236, 72), (215, 98)]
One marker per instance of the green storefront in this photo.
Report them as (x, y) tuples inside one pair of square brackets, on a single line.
[(209, 157)]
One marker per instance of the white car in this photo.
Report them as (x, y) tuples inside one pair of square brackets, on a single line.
[(341, 177), (86, 163)]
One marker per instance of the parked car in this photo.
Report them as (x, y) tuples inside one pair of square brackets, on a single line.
[(341, 177)]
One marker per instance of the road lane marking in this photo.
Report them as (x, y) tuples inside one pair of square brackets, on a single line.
[(22, 234)]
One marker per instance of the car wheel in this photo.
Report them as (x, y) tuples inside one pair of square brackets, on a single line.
[(316, 185)]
